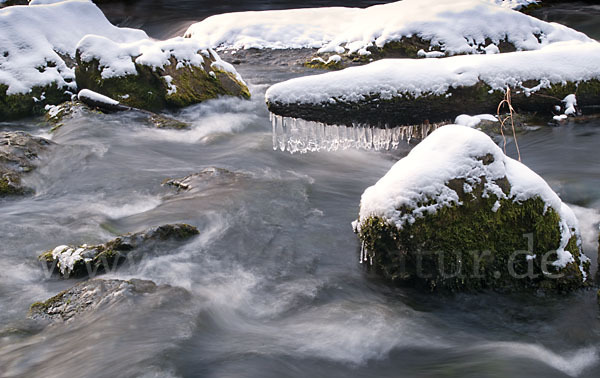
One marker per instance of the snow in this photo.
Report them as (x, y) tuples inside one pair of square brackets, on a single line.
[(570, 103), (472, 121), (555, 63), (67, 257), (332, 59), (32, 37), (514, 4), (116, 58), (455, 26), (96, 97), (449, 153), (560, 117)]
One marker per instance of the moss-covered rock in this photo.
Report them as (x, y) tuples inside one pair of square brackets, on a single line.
[(89, 260), (13, 106), (176, 83), (19, 153), (474, 219)]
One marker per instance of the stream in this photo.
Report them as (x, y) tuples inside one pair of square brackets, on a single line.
[(275, 287)]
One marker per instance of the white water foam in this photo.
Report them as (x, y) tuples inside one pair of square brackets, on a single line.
[(297, 135), (571, 363)]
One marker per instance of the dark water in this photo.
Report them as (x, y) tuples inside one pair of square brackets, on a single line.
[(275, 288)]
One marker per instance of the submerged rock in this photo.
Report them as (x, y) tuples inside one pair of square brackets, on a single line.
[(89, 260), (153, 75), (58, 115), (19, 153), (458, 214), (90, 296), (208, 176)]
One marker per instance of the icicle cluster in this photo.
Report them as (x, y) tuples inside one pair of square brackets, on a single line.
[(298, 135)]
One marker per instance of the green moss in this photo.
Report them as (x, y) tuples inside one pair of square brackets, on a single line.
[(23, 105), (318, 64), (43, 307), (530, 8), (436, 247), (144, 90), (10, 185), (149, 90)]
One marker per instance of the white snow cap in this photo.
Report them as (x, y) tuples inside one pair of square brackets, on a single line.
[(472, 121), (32, 37), (95, 96), (555, 63), (452, 152), (116, 58), (457, 26)]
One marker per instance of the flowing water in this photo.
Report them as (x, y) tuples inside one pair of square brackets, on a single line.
[(273, 283)]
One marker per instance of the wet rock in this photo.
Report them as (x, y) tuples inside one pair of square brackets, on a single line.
[(19, 154), (176, 82), (89, 296), (463, 216), (89, 260), (58, 115), (208, 176)]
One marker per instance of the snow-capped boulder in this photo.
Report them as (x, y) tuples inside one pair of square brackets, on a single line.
[(153, 75), (456, 213), (88, 260), (410, 91), (37, 52), (19, 153), (408, 28)]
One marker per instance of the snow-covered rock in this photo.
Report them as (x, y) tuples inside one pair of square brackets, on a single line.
[(450, 26), (37, 51), (152, 74), (409, 91), (457, 213), (88, 260)]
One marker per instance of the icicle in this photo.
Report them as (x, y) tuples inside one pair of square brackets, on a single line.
[(300, 136), (362, 252)]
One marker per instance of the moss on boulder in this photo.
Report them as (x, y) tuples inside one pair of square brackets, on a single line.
[(89, 260), (481, 229), (175, 84), (14, 106)]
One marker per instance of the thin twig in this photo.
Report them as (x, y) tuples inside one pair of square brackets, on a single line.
[(507, 100)]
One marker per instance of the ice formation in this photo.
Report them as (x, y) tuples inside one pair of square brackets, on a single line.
[(296, 135)]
